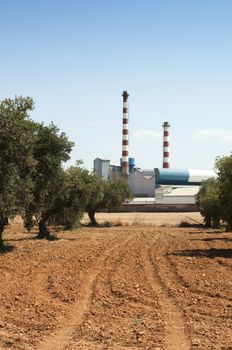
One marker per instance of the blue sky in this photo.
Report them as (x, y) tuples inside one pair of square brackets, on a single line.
[(76, 57)]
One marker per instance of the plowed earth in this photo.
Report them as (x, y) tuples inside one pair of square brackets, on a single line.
[(119, 288)]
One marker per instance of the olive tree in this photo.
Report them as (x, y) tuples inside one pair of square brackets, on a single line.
[(110, 196), (209, 203), (31, 158), (51, 150), (68, 197), (215, 196), (76, 194), (17, 139), (224, 170)]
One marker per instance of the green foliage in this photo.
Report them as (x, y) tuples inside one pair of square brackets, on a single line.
[(33, 182), (70, 196), (209, 203), (116, 192), (31, 157), (224, 170), (86, 191), (96, 191), (51, 149), (215, 196), (75, 195), (17, 140), (106, 195)]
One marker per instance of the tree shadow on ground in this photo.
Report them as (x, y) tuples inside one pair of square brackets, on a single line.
[(190, 225), (19, 239), (4, 248), (69, 239), (207, 232), (205, 253), (210, 239), (104, 224), (52, 237)]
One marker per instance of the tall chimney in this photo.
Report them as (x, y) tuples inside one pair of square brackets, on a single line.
[(166, 146), (125, 137)]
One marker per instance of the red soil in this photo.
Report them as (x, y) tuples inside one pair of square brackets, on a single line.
[(119, 288)]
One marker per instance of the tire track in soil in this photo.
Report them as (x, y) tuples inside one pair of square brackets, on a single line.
[(176, 337), (187, 286), (124, 333), (111, 262), (60, 339), (39, 283), (6, 277)]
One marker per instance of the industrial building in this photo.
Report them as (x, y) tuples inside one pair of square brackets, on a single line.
[(155, 188), (142, 183), (179, 186), (102, 167)]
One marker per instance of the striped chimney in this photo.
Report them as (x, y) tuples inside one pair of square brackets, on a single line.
[(125, 137), (166, 146)]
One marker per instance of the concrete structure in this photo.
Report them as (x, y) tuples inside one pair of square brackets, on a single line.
[(169, 195), (166, 146), (157, 208), (125, 136), (142, 183), (141, 201), (102, 168), (115, 171)]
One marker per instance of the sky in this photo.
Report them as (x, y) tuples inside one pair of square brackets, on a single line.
[(75, 58)]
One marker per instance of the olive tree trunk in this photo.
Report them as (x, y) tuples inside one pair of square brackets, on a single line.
[(43, 230), (91, 214), (2, 224)]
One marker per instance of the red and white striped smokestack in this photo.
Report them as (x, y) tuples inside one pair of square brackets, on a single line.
[(125, 136), (166, 146)]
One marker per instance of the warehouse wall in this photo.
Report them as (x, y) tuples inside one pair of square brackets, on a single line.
[(142, 183)]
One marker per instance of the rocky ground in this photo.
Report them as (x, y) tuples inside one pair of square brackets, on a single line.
[(145, 284)]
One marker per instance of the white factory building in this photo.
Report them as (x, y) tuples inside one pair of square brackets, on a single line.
[(142, 183), (172, 195)]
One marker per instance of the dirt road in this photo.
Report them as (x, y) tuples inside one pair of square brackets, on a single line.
[(118, 288)]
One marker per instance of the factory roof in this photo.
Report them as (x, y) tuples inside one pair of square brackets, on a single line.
[(175, 191), (102, 159), (146, 172), (142, 200)]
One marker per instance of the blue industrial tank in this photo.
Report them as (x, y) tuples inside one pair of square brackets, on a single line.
[(182, 176), (172, 176), (131, 165)]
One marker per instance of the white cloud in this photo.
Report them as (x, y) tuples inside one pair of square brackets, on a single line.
[(87, 124), (217, 134), (147, 134)]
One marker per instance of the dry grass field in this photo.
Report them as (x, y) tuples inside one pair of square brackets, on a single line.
[(150, 219), (140, 282)]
